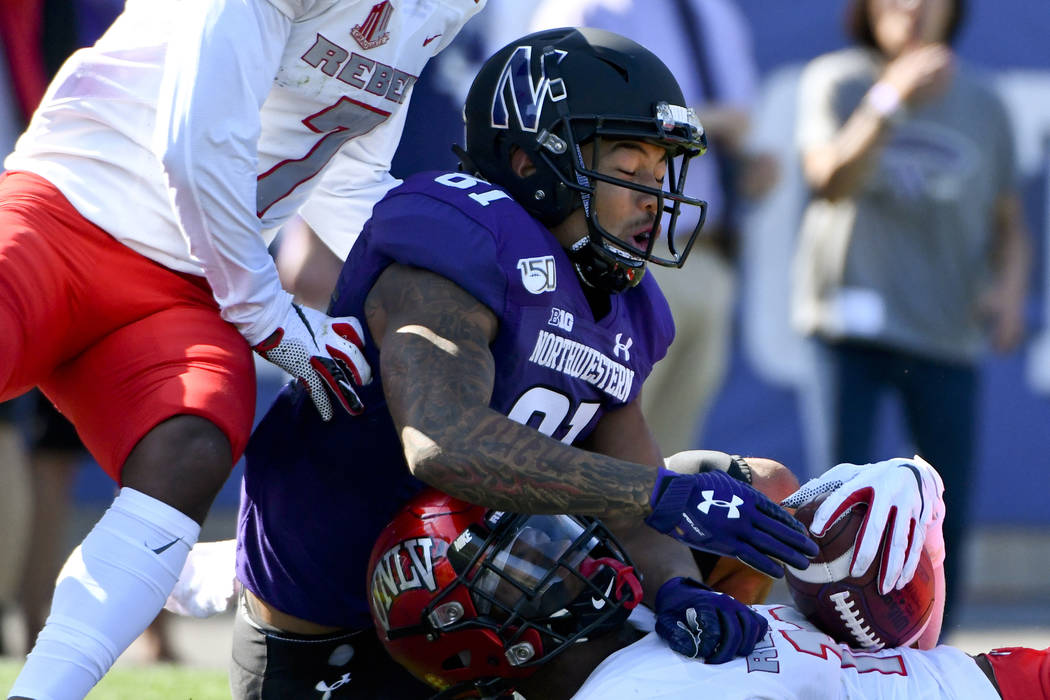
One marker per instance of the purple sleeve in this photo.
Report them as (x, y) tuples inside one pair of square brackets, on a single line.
[(420, 231), (657, 319)]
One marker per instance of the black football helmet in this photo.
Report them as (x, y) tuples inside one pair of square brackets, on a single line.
[(468, 599), (550, 92)]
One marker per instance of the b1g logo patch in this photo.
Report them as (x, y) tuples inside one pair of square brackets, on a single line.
[(560, 318), (538, 274)]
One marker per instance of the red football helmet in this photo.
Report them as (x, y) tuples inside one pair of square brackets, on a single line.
[(463, 595)]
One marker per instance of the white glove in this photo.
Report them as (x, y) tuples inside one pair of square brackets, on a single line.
[(320, 351), (208, 582), (904, 497)]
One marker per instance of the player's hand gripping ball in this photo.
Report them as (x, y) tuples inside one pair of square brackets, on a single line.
[(851, 609)]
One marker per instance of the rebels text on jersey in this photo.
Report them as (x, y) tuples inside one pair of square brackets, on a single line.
[(557, 369)]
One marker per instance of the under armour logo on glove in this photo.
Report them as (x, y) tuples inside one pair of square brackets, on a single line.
[(709, 500), (693, 629), (699, 623), (714, 512), (323, 354)]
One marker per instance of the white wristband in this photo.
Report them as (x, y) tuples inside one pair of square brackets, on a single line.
[(885, 100)]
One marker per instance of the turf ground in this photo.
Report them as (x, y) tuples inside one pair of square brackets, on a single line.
[(158, 682)]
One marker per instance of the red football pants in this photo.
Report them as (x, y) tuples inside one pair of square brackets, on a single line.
[(116, 341)]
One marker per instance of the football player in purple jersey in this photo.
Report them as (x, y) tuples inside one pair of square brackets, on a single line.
[(510, 318)]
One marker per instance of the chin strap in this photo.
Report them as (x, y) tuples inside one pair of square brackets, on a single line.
[(597, 269), (466, 163)]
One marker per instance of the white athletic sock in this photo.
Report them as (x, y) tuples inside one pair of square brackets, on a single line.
[(108, 592)]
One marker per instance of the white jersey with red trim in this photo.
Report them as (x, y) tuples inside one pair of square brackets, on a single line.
[(795, 661), (194, 125)]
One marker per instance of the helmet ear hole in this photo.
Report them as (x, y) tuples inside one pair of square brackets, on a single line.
[(521, 163)]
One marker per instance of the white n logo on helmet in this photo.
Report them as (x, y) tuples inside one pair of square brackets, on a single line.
[(528, 96), (709, 500)]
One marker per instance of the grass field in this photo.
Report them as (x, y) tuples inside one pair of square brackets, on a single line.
[(157, 682)]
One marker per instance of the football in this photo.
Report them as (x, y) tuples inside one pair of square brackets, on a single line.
[(850, 609)]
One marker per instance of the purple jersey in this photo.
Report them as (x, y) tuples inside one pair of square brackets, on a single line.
[(315, 495)]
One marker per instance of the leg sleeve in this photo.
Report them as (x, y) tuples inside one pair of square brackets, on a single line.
[(108, 592)]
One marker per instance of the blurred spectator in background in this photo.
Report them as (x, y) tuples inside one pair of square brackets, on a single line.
[(14, 510), (912, 251), (707, 45), (55, 453)]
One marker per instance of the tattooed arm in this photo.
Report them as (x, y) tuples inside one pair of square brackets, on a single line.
[(438, 375)]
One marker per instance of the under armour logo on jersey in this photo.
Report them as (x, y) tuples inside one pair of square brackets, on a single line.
[(538, 274), (710, 500), (323, 687), (528, 95), (625, 347)]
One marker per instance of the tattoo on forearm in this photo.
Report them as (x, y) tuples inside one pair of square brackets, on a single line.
[(537, 474)]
